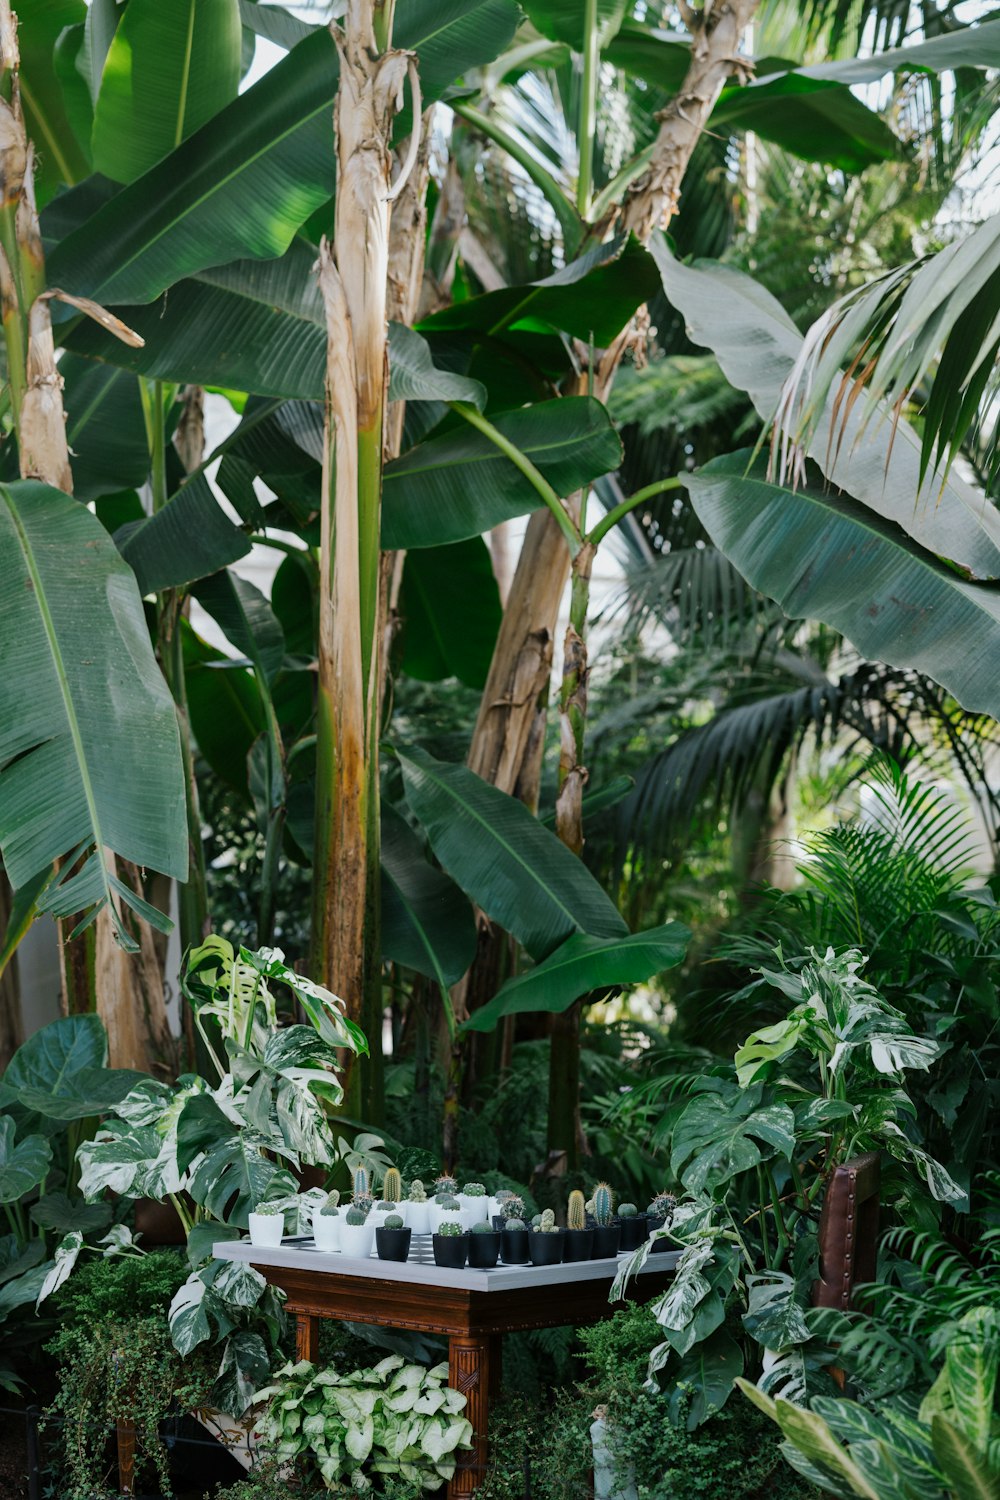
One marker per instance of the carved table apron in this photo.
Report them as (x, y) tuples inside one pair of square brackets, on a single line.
[(474, 1309)]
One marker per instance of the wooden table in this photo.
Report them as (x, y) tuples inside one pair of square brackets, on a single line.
[(473, 1308)]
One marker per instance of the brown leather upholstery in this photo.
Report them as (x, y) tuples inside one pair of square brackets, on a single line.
[(848, 1231)]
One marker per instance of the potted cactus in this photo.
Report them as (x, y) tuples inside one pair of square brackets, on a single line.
[(327, 1224), (451, 1246), (484, 1246), (514, 1247), (633, 1226), (445, 1210), (607, 1232), (392, 1192), (267, 1225), (356, 1233), (392, 1239), (445, 1186), (578, 1241), (545, 1240), (418, 1210), (659, 1215), (475, 1203), (511, 1207)]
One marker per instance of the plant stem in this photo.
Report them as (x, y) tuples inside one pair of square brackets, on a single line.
[(521, 461), (182, 1213), (588, 107), (607, 522), (784, 1239)]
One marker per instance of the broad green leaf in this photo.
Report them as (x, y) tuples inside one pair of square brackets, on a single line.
[(189, 1325), (562, 20), (972, 1363), (414, 377), (224, 708), (90, 757), (717, 1138), (450, 608), (969, 1472), (61, 158), (816, 120), (427, 924), (23, 1164), (459, 485), (51, 1056), (61, 1213), (659, 57), (514, 869), (245, 618), (170, 68), (23, 911), (903, 607), (274, 23), (813, 1438), (966, 47), (707, 1373), (592, 297), (67, 1252), (582, 964), (190, 538), (105, 428), (89, 1091), (757, 346), (774, 1317), (69, 60), (244, 183)]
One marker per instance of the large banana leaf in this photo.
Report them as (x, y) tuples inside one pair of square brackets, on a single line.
[(225, 709), (189, 538), (60, 157), (563, 20), (89, 747), (451, 612), (248, 179), (824, 557), (460, 485), (246, 619), (581, 964), (427, 924), (757, 345), (515, 870), (170, 68), (105, 428), (968, 47)]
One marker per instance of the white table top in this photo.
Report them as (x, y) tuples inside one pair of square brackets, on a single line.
[(301, 1254)]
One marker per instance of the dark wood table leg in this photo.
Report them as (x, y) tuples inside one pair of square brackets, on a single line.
[(307, 1337), (469, 1372), (496, 1366)]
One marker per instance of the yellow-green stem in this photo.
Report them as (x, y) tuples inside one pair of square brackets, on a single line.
[(588, 107)]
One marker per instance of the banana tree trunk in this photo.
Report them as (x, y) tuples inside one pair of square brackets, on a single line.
[(127, 993), (346, 952)]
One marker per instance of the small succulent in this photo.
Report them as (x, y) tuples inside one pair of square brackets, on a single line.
[(355, 1218), (515, 1224), (512, 1208), (603, 1204), (392, 1186), (418, 1193), (268, 1209), (450, 1230), (662, 1207), (474, 1190), (536, 1221), (576, 1217), (363, 1202), (503, 1194), (546, 1223), (482, 1228), (448, 1203), (445, 1184), (393, 1222), (386, 1205), (330, 1209), (627, 1210)]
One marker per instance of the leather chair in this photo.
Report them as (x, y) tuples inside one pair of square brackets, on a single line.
[(848, 1231)]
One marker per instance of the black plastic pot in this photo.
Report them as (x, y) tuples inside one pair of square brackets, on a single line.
[(545, 1249), (578, 1244), (514, 1249), (659, 1247), (484, 1250), (634, 1231), (607, 1238), (392, 1244), (450, 1250)]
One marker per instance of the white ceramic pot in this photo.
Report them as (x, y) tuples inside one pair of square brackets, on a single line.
[(418, 1217), (356, 1240), (266, 1230), (326, 1231), (493, 1209), (441, 1216), (478, 1209)]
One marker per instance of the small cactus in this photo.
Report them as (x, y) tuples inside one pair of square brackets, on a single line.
[(603, 1204), (361, 1182), (363, 1202), (445, 1184), (546, 1223), (450, 1230), (474, 1190), (662, 1207), (451, 1207), (386, 1205), (482, 1228), (418, 1193), (576, 1217), (627, 1210), (392, 1186), (329, 1209), (393, 1222), (447, 1202), (514, 1224), (355, 1218), (503, 1194), (512, 1208), (268, 1209)]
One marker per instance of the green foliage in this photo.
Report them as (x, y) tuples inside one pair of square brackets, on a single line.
[(122, 1287), (395, 1418)]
